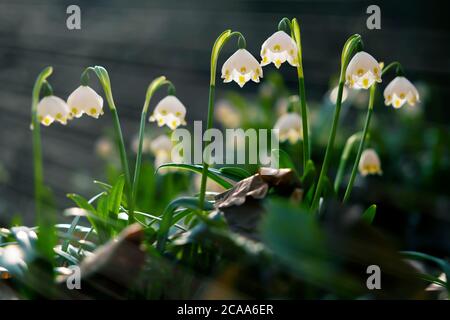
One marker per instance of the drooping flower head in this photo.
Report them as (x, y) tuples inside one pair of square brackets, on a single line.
[(279, 48), (169, 111), (399, 91), (290, 127), (369, 163), (227, 114), (85, 100), (104, 148), (362, 71), (334, 93), (52, 108), (241, 67), (146, 140), (161, 147)]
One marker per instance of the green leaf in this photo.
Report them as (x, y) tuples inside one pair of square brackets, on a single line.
[(167, 219), (115, 196), (213, 174), (103, 185), (66, 256), (369, 214), (297, 241), (98, 218), (234, 173), (328, 189), (309, 175), (70, 232), (81, 202), (444, 265), (284, 160)]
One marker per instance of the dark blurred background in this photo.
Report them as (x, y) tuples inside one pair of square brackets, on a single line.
[(139, 40)]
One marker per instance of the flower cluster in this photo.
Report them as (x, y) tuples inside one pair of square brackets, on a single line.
[(83, 100), (242, 66)]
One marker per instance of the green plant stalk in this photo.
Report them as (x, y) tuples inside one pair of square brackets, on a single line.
[(399, 71), (205, 165), (350, 46), (123, 158), (327, 157), (295, 28), (361, 143), (217, 47), (344, 159), (44, 217), (103, 77), (154, 85), (398, 68)]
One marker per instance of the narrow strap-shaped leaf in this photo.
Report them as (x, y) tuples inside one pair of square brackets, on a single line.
[(369, 214), (166, 223), (214, 175)]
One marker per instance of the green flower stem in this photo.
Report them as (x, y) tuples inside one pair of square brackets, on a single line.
[(344, 159), (350, 46), (398, 68), (361, 143), (327, 157), (205, 165), (154, 85), (217, 47), (399, 71), (103, 77), (44, 217), (295, 28)]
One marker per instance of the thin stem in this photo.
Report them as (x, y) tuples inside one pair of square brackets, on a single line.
[(305, 126), (361, 143), (205, 165), (137, 167), (103, 77), (327, 157), (344, 159), (123, 157), (397, 65), (217, 47), (154, 85), (295, 33), (44, 217), (350, 46)]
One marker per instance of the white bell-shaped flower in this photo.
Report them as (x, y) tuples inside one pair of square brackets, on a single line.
[(52, 108), (279, 48), (334, 93), (85, 100), (369, 163), (399, 91), (227, 114), (169, 111), (161, 147), (104, 148), (241, 67), (161, 144), (290, 127), (145, 144), (362, 71)]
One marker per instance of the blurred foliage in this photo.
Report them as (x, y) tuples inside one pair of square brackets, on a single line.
[(264, 244)]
